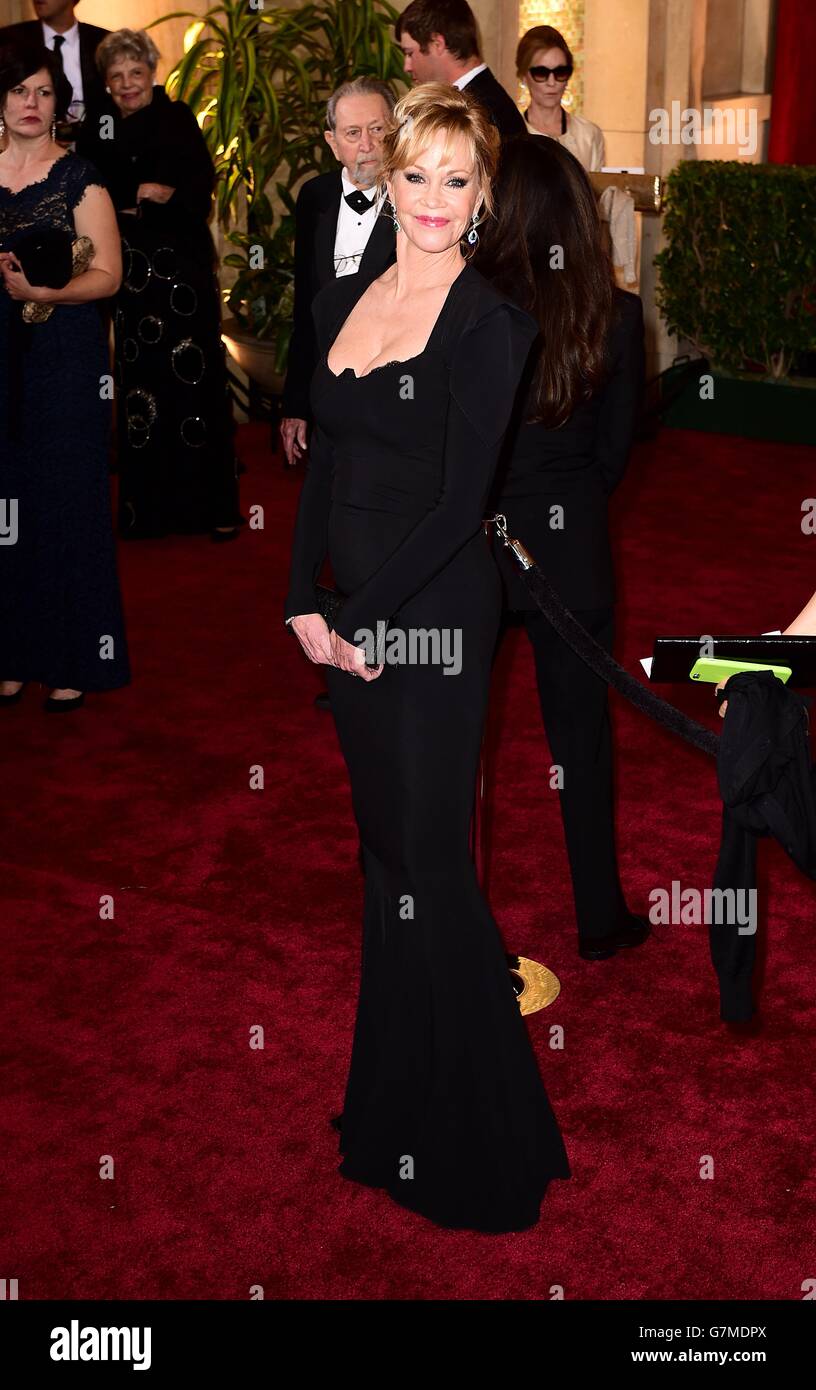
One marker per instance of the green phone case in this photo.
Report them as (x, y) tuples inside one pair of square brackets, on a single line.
[(719, 668)]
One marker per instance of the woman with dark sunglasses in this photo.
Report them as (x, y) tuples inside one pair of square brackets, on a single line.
[(544, 63)]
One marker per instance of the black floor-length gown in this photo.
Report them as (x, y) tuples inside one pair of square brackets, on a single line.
[(60, 610), (176, 455), (444, 1104)]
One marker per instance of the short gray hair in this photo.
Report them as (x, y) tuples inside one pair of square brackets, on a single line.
[(127, 43), (359, 87)]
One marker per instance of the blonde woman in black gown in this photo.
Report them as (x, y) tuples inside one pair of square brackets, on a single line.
[(419, 368)]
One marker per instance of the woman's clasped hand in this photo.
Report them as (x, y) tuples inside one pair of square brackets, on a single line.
[(326, 648), (14, 280)]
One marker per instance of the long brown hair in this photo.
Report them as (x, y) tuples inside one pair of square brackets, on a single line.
[(543, 249)]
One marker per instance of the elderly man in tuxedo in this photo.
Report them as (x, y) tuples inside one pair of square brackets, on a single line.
[(340, 228), (440, 43), (74, 45)]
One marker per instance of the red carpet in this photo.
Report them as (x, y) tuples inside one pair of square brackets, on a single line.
[(238, 909)]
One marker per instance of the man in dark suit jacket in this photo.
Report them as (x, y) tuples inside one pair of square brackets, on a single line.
[(341, 228), (440, 43), (56, 21)]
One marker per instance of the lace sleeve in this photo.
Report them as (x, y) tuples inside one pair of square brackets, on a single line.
[(78, 175)]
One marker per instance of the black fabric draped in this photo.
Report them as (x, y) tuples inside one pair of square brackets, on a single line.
[(177, 468)]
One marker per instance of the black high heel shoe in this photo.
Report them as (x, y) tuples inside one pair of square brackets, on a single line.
[(52, 706), (13, 699)]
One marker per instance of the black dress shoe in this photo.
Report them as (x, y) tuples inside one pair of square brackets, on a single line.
[(633, 931), (52, 706), (15, 698), (322, 700)]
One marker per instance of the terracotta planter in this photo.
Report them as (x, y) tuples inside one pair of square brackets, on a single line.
[(254, 356)]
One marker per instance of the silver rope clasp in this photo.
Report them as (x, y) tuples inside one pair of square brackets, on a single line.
[(523, 556)]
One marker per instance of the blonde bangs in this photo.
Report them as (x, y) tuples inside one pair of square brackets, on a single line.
[(434, 109)]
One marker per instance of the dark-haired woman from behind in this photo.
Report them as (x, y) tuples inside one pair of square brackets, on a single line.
[(544, 250)]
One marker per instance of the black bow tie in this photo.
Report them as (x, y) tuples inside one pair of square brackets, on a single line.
[(358, 201)]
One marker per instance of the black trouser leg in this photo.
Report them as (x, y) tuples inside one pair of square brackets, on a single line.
[(576, 719)]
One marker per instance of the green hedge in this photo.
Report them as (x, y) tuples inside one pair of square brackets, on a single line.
[(738, 277)]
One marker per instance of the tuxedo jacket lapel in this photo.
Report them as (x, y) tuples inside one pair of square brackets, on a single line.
[(90, 75), (326, 232)]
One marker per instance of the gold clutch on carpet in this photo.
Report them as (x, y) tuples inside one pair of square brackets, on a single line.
[(82, 253)]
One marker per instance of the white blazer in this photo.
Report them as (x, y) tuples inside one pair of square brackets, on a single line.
[(582, 138)]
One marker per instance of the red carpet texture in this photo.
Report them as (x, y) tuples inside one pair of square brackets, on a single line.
[(170, 1062)]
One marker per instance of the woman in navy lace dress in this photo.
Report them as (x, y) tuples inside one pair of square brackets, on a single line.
[(60, 612)]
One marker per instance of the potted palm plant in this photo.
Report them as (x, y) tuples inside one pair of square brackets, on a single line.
[(258, 80)]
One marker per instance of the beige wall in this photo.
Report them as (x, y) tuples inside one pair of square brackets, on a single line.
[(11, 11), (137, 14), (639, 54), (616, 94), (498, 27), (645, 54), (736, 46), (124, 14)]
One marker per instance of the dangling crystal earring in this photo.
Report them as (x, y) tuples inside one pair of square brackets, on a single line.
[(397, 227), (2, 127), (473, 235), (54, 129)]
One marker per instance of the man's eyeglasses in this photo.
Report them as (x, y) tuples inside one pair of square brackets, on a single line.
[(540, 74)]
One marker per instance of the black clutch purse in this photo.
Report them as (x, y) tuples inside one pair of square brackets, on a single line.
[(328, 603), (46, 257)]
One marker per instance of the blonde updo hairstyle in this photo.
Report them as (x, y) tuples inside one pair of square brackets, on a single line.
[(432, 109)]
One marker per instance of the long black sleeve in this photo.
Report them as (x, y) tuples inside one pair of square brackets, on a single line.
[(485, 372), (186, 165), (487, 365), (622, 395), (303, 343), (310, 542), (161, 143)]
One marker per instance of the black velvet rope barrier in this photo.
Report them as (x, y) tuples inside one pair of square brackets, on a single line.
[(596, 657)]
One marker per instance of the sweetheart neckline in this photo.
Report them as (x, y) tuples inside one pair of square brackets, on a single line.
[(394, 362)]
